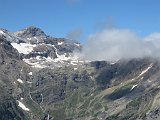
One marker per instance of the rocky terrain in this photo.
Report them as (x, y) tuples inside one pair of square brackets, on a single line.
[(42, 79)]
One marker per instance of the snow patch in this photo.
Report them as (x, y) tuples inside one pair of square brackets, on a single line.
[(49, 59), (34, 63), (30, 73), (42, 62), (21, 105), (112, 63), (78, 45), (29, 82), (38, 62), (21, 98), (75, 68), (74, 62), (149, 81), (60, 43), (19, 80), (61, 58), (2, 32), (133, 86), (144, 71), (24, 48)]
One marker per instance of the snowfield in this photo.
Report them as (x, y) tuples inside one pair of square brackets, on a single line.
[(144, 71), (24, 48), (19, 80), (1, 32), (78, 45), (30, 73), (21, 105), (60, 43), (133, 87), (42, 62)]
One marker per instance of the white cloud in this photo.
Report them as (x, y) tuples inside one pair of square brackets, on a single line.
[(115, 44), (153, 36)]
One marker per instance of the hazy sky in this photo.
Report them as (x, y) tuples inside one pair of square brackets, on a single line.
[(61, 18)]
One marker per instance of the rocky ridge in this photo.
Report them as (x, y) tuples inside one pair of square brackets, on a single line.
[(40, 50)]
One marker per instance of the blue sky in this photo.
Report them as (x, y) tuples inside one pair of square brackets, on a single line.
[(60, 17)]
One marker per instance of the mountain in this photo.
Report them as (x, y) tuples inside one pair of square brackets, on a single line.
[(42, 79), (36, 47), (10, 67), (30, 32)]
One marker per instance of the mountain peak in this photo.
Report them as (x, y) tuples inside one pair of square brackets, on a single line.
[(30, 31), (4, 30)]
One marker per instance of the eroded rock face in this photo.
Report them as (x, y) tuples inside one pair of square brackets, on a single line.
[(7, 51), (10, 67), (31, 31), (9, 109), (36, 47)]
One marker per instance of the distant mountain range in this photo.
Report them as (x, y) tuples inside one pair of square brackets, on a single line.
[(42, 78)]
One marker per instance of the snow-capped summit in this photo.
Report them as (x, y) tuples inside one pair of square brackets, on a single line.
[(31, 31), (41, 50)]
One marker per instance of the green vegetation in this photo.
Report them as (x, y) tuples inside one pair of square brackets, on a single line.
[(35, 108), (59, 114), (10, 111), (134, 103), (120, 92)]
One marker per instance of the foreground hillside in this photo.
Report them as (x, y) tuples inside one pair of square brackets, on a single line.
[(45, 81)]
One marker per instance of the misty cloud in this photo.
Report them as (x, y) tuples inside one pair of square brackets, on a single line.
[(75, 34), (115, 44), (109, 23)]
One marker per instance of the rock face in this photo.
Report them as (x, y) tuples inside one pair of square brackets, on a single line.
[(7, 51), (36, 47), (9, 109), (10, 67), (41, 79), (30, 32)]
